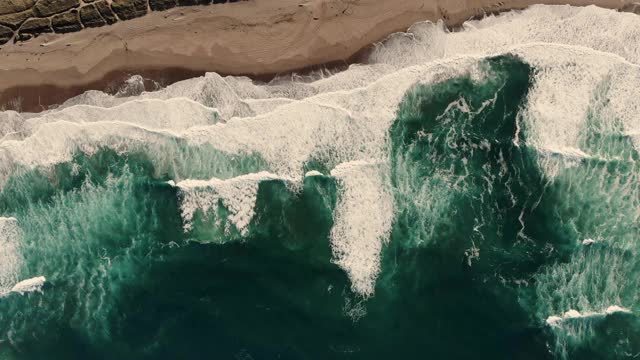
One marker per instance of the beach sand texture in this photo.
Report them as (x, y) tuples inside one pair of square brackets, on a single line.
[(254, 37)]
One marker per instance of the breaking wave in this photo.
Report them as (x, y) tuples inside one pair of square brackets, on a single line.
[(476, 187)]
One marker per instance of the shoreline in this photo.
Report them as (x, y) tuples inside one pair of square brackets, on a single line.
[(40, 97), (256, 39)]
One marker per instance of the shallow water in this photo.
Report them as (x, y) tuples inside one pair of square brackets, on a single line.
[(464, 195)]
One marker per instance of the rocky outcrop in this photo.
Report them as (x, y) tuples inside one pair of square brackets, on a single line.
[(129, 9), (15, 6), (44, 8), (34, 27), (105, 10), (15, 20), (66, 22), (5, 34), (22, 20), (90, 17), (193, 2), (158, 5)]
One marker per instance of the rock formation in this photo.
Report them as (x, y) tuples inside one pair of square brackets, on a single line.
[(22, 20)]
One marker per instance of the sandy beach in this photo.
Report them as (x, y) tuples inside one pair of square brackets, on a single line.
[(254, 38)]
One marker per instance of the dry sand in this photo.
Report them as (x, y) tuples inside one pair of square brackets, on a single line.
[(255, 37)]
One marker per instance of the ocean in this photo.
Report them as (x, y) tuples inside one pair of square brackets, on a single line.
[(468, 194)]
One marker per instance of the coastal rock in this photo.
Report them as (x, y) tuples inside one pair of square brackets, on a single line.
[(193, 2), (129, 9), (90, 17), (34, 27), (5, 34), (66, 22), (15, 20), (15, 6), (157, 5), (105, 11), (45, 8)]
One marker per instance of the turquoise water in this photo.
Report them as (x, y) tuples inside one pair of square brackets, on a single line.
[(464, 195), (484, 247)]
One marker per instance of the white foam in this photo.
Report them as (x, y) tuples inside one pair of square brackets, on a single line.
[(238, 195), (363, 219), (340, 121), (617, 309), (556, 321), (11, 122), (54, 143), (175, 114), (29, 285), (211, 90), (574, 50), (313, 173), (553, 320), (596, 28), (344, 118), (10, 254), (132, 86)]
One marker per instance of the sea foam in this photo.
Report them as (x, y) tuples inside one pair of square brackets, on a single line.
[(10, 255), (29, 285), (557, 320), (364, 216), (344, 118), (238, 195)]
